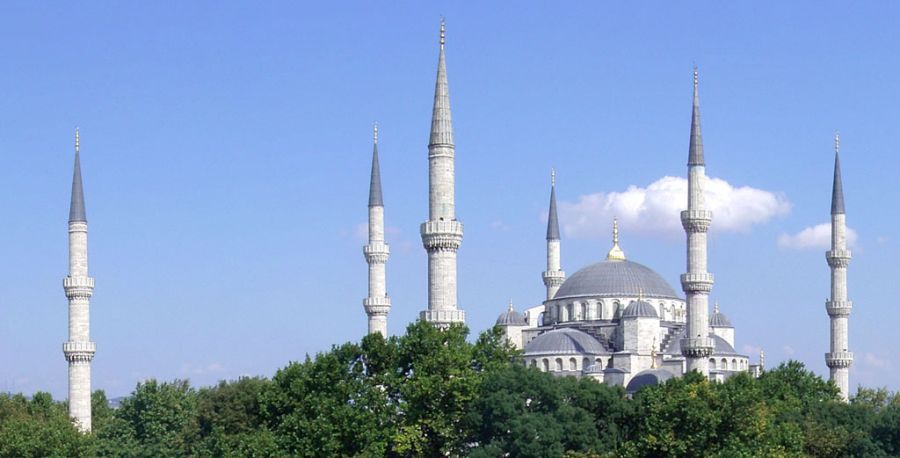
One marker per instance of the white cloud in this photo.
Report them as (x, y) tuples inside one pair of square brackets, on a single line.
[(499, 225), (871, 360), (788, 350), (818, 236), (656, 208)]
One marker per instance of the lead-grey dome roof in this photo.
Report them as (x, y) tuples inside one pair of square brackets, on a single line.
[(639, 309), (564, 341), (722, 348), (511, 318), (616, 279), (647, 377), (719, 320)]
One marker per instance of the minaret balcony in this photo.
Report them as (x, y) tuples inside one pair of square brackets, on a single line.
[(699, 347), (377, 305), (700, 282), (554, 277), (838, 359), (79, 351), (838, 258), (441, 235), (78, 282), (837, 309), (376, 252), (696, 220), (443, 316)]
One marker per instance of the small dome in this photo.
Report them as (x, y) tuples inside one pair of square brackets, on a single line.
[(721, 346), (718, 319), (646, 378), (616, 278), (564, 341), (511, 318), (639, 309)]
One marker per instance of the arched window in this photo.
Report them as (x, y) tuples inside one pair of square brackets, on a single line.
[(599, 363), (559, 364), (571, 312), (533, 363), (599, 314), (546, 365), (573, 364), (734, 365), (584, 311), (724, 364), (712, 363), (585, 363)]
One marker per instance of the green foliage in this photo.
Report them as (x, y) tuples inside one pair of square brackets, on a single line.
[(431, 392)]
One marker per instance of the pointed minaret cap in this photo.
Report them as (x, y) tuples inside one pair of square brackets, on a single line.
[(615, 253), (76, 207), (375, 198), (441, 122), (695, 152), (552, 219), (837, 190)]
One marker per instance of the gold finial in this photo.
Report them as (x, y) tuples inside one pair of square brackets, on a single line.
[(716, 307), (837, 142), (696, 76), (443, 28), (615, 253), (640, 294), (77, 140), (510, 305), (552, 177), (375, 132)]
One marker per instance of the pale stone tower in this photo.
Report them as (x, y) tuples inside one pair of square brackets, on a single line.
[(442, 233), (377, 304), (79, 350), (697, 282), (554, 276), (839, 358)]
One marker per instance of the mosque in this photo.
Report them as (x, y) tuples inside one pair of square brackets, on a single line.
[(616, 321)]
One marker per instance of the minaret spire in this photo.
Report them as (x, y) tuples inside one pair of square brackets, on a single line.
[(554, 276), (697, 282), (79, 287), (615, 253), (442, 233), (377, 304), (838, 307)]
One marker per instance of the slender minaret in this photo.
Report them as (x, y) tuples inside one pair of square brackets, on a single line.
[(839, 358), (697, 282), (79, 350), (554, 276), (377, 304), (442, 233)]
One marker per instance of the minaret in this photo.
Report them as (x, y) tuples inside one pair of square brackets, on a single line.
[(79, 350), (378, 304), (442, 233), (554, 276), (839, 358), (697, 282)]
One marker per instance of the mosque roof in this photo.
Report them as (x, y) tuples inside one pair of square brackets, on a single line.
[(722, 347), (616, 278), (647, 377), (564, 341), (719, 320), (511, 318), (639, 309)]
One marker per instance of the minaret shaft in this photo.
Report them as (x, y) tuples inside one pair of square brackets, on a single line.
[(79, 287), (697, 346), (377, 304), (442, 233), (839, 359)]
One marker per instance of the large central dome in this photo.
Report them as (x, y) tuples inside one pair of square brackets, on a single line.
[(616, 278)]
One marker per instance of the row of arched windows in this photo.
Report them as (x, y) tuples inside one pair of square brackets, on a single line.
[(577, 311), (723, 364), (560, 364)]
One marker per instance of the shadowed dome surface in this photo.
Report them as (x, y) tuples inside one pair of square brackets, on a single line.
[(564, 341), (639, 309), (719, 320), (647, 377), (616, 279), (511, 318)]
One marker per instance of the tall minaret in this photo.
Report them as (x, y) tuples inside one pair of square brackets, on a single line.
[(697, 282), (839, 359), (442, 233), (554, 276), (79, 350), (378, 304)]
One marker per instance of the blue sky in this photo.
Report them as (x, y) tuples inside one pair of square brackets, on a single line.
[(226, 151)]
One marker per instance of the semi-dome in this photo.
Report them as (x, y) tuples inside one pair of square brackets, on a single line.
[(647, 377), (616, 278), (564, 341), (639, 309)]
